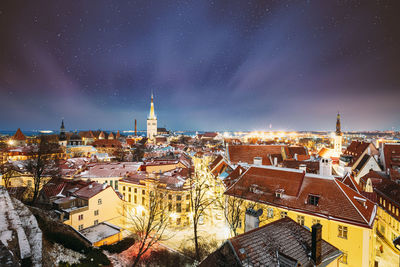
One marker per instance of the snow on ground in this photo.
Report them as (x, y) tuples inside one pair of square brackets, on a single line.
[(32, 231), (5, 228), (14, 223), (58, 253)]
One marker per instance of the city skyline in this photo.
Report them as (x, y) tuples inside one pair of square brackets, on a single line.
[(212, 66)]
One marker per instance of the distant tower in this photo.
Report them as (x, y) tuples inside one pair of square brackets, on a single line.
[(62, 138), (151, 122), (337, 144), (135, 127)]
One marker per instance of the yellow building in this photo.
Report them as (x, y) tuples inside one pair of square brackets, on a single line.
[(347, 218), (388, 223), (89, 205), (173, 187)]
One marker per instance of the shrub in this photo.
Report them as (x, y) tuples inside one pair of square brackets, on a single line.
[(120, 246)]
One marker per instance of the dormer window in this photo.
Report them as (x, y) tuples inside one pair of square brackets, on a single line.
[(313, 200), (279, 193)]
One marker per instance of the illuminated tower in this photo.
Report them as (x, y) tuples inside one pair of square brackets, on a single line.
[(337, 144), (151, 122)]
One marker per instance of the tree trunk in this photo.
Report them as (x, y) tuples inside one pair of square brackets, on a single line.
[(196, 242), (136, 260)]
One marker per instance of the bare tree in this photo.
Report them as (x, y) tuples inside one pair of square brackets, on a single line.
[(8, 172), (234, 211), (41, 163), (149, 225), (201, 199)]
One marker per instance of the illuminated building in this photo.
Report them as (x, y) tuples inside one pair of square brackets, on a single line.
[(151, 122), (347, 217)]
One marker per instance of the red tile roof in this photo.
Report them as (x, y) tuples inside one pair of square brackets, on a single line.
[(109, 143), (247, 153), (356, 149), (90, 190), (336, 200), (350, 182), (19, 135), (391, 153)]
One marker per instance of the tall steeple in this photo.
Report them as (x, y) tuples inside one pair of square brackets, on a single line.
[(62, 136), (152, 122), (338, 130), (152, 114)]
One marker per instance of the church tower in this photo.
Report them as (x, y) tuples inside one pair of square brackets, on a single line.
[(151, 122), (62, 137), (338, 138)]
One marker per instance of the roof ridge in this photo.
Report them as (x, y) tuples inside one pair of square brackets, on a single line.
[(348, 197)]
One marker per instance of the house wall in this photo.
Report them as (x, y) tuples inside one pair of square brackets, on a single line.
[(358, 246), (109, 210)]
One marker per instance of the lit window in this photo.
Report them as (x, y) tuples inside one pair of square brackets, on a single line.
[(178, 207), (283, 214), (300, 220), (270, 213), (342, 231), (313, 200)]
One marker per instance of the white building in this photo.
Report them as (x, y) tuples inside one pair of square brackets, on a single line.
[(152, 122)]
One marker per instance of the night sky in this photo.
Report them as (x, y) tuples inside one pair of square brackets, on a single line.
[(213, 65)]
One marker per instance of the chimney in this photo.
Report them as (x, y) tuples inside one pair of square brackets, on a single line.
[(257, 161), (316, 243), (135, 127), (275, 161), (104, 186), (91, 186), (303, 167)]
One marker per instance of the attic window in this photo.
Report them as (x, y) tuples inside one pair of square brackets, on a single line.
[(279, 193), (313, 200)]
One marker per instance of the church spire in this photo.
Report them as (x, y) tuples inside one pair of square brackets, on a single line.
[(338, 130), (152, 115)]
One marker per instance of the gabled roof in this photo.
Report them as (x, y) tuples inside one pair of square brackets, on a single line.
[(90, 190), (215, 162), (336, 200), (259, 247), (19, 135), (110, 143), (350, 182)]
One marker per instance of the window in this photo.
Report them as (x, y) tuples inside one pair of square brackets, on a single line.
[(96, 222), (270, 213), (187, 197), (380, 200), (143, 192), (300, 220), (343, 259), (178, 197), (178, 207), (129, 198), (80, 217), (170, 197), (123, 195), (123, 188), (187, 207), (169, 206), (315, 221), (99, 201), (143, 200), (135, 199), (80, 227), (342, 231), (161, 195), (135, 190), (384, 203), (96, 212), (116, 184), (111, 183), (283, 214), (178, 221), (129, 189), (313, 200)]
